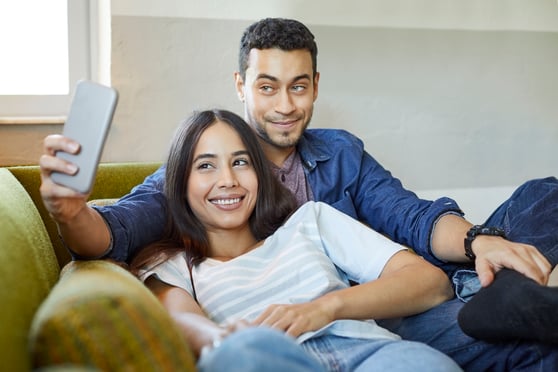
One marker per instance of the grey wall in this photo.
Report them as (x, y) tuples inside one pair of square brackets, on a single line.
[(164, 68), (467, 108), (447, 94), (439, 108)]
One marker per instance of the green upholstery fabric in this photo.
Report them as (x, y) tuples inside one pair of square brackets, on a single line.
[(98, 316), (113, 181), (94, 301), (101, 202), (28, 270)]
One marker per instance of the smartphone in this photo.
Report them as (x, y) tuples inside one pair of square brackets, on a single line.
[(88, 123)]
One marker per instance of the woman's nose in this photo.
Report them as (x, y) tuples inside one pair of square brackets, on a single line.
[(227, 178)]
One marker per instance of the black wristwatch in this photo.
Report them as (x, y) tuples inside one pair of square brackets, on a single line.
[(480, 230)]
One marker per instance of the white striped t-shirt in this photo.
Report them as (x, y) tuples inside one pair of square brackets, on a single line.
[(317, 250)]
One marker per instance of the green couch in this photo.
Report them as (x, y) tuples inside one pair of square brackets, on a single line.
[(63, 314)]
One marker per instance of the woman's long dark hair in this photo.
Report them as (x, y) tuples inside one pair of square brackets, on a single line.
[(184, 231)]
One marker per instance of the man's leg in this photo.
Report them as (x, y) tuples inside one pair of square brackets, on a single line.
[(512, 307), (530, 216), (515, 306), (438, 328), (367, 355)]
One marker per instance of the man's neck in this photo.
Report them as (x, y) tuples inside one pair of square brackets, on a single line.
[(277, 155)]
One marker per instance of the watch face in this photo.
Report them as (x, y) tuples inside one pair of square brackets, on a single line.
[(491, 231), (485, 230), (474, 231), (480, 230)]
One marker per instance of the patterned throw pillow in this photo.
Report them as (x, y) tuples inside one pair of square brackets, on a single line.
[(100, 316)]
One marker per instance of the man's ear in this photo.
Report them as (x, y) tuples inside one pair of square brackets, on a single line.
[(316, 85), (239, 86)]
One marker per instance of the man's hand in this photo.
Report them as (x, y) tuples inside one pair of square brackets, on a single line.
[(83, 229), (62, 203), (494, 253)]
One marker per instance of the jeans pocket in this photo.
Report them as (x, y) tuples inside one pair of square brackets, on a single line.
[(466, 284)]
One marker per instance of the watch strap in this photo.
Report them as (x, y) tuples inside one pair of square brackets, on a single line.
[(475, 231)]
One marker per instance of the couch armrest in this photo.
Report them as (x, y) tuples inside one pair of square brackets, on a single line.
[(101, 316)]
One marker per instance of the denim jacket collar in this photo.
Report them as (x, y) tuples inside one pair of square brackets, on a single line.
[(312, 150)]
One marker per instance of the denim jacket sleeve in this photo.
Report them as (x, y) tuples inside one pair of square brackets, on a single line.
[(137, 219), (345, 176)]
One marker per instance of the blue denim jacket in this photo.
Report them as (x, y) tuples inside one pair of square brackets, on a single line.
[(339, 173)]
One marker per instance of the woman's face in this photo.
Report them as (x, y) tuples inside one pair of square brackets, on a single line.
[(223, 186)]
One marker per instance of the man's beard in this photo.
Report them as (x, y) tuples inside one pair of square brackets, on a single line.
[(287, 142), (282, 144)]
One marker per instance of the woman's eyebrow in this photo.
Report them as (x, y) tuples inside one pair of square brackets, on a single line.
[(213, 156), (240, 152), (205, 156)]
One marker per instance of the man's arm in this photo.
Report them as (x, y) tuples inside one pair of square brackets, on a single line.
[(493, 253), (365, 190), (381, 200), (82, 228), (134, 221)]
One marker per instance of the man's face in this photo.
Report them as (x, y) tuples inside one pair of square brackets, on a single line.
[(278, 92)]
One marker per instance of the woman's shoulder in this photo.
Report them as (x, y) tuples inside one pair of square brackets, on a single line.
[(315, 207), (311, 211)]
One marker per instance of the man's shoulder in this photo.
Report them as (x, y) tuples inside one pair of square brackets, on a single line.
[(327, 136), (323, 143)]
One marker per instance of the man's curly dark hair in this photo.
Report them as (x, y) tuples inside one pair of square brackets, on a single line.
[(281, 33)]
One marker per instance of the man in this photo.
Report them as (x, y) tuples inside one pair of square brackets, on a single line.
[(278, 82)]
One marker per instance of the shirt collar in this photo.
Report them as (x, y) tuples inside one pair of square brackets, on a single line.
[(312, 149)]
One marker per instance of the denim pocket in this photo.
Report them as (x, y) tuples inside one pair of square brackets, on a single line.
[(466, 284)]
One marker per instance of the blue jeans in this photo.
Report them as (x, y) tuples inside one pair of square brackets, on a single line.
[(530, 216), (258, 349), (359, 355), (438, 328), (264, 349)]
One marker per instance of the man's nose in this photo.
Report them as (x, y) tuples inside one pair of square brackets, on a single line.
[(284, 104)]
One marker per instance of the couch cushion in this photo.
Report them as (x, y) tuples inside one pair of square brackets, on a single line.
[(28, 270), (101, 202), (113, 181), (100, 315)]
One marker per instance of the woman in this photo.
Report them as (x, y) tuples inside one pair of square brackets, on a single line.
[(237, 259)]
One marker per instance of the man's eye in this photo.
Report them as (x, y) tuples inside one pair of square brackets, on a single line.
[(266, 88), (299, 88)]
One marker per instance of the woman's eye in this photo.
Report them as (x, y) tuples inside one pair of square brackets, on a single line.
[(241, 162), (204, 166)]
